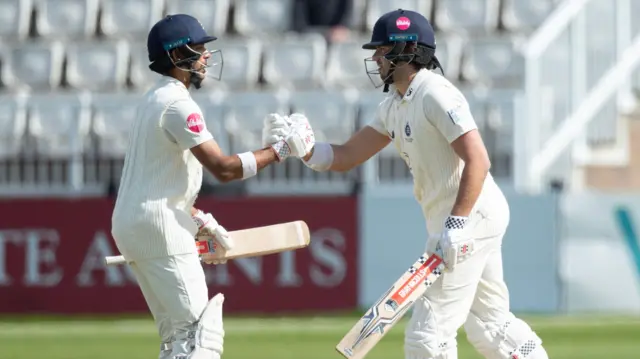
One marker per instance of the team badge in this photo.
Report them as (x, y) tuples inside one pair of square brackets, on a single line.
[(407, 133)]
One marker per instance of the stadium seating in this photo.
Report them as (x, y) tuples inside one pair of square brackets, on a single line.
[(471, 16), (526, 15), (129, 18), (98, 65), (213, 14), (81, 64), (13, 124), (113, 114), (15, 18), (66, 18)]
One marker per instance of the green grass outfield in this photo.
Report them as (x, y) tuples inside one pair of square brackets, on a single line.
[(291, 338)]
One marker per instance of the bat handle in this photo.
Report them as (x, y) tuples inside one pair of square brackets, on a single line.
[(114, 260), (203, 247)]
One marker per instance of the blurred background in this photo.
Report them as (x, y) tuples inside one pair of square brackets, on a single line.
[(553, 86)]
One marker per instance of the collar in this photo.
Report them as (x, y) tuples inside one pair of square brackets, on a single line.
[(415, 83), (166, 80)]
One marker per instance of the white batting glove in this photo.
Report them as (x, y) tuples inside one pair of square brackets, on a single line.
[(275, 128), (209, 227), (298, 141), (454, 243)]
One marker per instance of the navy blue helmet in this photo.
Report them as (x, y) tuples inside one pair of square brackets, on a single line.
[(181, 32), (412, 39)]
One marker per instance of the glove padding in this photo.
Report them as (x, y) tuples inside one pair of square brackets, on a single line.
[(275, 128), (209, 227), (289, 136), (454, 242)]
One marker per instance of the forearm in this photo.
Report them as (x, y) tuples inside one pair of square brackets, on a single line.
[(471, 183), (232, 167), (342, 161)]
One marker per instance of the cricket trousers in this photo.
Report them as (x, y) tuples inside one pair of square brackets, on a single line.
[(473, 295), (176, 293)]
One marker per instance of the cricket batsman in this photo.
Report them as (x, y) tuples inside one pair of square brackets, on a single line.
[(154, 222), (430, 124)]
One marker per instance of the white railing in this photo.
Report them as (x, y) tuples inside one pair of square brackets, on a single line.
[(578, 65)]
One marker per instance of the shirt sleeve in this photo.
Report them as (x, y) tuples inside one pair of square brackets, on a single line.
[(184, 122), (378, 122), (448, 110)]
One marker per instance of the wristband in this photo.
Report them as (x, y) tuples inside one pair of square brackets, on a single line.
[(322, 157), (249, 164)]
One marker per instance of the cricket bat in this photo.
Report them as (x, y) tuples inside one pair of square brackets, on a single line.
[(252, 242), (391, 307)]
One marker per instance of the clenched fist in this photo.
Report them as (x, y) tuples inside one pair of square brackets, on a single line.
[(288, 136), (209, 227)]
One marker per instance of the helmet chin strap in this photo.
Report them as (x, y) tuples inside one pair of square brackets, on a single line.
[(195, 77), (395, 55), (389, 79)]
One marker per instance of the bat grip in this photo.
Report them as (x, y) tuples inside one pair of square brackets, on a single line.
[(203, 247), (116, 260)]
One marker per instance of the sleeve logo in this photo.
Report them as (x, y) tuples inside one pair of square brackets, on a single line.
[(195, 123)]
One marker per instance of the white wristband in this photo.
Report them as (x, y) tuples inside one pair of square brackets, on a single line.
[(322, 157), (249, 164)]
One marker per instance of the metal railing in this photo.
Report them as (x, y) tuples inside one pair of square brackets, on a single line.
[(578, 68)]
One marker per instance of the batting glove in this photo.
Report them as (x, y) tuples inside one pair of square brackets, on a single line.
[(275, 128), (298, 141), (454, 243), (209, 227)]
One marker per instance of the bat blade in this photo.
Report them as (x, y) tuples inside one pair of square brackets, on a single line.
[(390, 307), (262, 241), (252, 242)]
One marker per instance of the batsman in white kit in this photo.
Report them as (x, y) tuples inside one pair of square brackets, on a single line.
[(154, 222), (429, 122)]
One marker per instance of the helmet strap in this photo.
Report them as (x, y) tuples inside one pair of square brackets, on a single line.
[(187, 65)]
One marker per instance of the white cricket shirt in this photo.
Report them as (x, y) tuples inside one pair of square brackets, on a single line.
[(161, 178), (422, 124)]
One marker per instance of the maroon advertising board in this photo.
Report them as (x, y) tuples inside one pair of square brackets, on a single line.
[(51, 258)]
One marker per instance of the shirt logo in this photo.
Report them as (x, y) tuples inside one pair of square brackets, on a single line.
[(407, 132), (195, 123), (403, 23), (453, 116)]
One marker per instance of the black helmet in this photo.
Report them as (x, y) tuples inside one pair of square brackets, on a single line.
[(412, 38)]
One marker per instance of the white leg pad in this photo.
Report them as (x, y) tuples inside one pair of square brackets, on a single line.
[(165, 351), (511, 339), (448, 353), (209, 337), (422, 337)]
